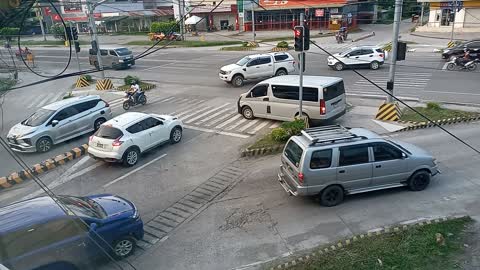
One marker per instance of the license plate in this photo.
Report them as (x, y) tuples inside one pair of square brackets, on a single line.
[(99, 145)]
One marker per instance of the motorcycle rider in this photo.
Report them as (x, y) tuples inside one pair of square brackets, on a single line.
[(465, 59), (134, 91)]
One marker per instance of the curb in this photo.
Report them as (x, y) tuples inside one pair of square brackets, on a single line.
[(369, 234), (364, 37), (426, 36), (441, 122), (276, 49), (261, 151), (37, 169)]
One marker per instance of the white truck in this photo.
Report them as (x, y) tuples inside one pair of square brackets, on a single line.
[(257, 66)]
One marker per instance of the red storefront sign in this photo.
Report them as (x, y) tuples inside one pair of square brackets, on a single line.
[(299, 3), (320, 12)]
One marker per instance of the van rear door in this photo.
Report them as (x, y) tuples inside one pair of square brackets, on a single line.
[(333, 101)]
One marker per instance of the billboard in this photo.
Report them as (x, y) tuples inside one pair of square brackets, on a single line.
[(299, 3)]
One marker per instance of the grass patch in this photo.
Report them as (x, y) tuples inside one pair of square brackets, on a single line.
[(6, 84), (186, 43), (143, 85), (265, 141), (47, 43), (434, 112), (416, 248)]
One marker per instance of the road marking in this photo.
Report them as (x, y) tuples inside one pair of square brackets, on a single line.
[(215, 115), (155, 67), (218, 132), (221, 118), (237, 124), (259, 127), (445, 66), (46, 99), (229, 121), (192, 114), (133, 171), (275, 125), (34, 102), (57, 97), (253, 122), (453, 92), (166, 99), (206, 113)]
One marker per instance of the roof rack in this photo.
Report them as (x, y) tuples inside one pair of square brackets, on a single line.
[(328, 134)]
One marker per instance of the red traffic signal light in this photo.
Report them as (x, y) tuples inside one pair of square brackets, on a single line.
[(298, 33)]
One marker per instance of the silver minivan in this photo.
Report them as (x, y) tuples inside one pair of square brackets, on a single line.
[(112, 57), (277, 98), (58, 122), (333, 161)]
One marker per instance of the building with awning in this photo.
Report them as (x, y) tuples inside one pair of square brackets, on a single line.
[(466, 15)]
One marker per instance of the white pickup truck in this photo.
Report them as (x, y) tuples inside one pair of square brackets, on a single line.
[(257, 66)]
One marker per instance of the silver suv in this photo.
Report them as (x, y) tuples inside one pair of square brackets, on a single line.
[(58, 122), (333, 161)]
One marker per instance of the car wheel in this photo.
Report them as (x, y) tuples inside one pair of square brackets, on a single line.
[(281, 72), (331, 196), (130, 157), (124, 247), (247, 113), (419, 180), (44, 144), (98, 123), (126, 105), (175, 135), (374, 65), (339, 66), (237, 80)]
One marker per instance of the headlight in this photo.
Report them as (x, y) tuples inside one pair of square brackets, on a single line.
[(446, 51), (121, 61), (228, 72)]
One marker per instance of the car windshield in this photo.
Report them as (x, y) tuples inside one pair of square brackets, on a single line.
[(243, 61), (399, 146), (123, 51), (38, 118), (83, 206)]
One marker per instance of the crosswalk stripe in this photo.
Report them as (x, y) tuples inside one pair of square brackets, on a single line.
[(198, 110), (215, 115), (182, 101), (34, 102), (206, 113), (219, 119), (237, 124), (46, 99), (253, 122), (259, 127), (57, 97), (166, 99), (183, 112), (229, 121), (275, 125)]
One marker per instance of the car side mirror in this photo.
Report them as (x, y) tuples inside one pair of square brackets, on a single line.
[(93, 227), (348, 55), (404, 155), (54, 123), (244, 69)]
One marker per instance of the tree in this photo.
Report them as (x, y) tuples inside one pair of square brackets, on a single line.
[(9, 32), (164, 27), (58, 31)]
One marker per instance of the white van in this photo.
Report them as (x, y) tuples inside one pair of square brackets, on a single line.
[(277, 98)]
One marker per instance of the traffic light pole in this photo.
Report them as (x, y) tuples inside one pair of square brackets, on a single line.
[(93, 35), (302, 58), (76, 53), (253, 23), (396, 29), (453, 22)]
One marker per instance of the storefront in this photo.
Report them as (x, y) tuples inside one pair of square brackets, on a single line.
[(319, 14), (442, 14), (223, 17)]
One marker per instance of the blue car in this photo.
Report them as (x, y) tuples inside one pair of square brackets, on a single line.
[(39, 234)]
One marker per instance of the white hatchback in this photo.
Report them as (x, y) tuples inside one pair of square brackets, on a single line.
[(364, 56), (125, 137)]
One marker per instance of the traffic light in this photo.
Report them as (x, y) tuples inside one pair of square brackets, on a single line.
[(306, 38), (298, 32), (94, 49), (77, 46), (401, 51), (74, 33)]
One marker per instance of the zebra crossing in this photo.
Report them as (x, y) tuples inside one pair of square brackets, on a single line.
[(201, 114), (405, 83), (33, 101)]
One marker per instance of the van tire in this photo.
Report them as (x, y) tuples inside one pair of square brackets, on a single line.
[(281, 72), (237, 80), (309, 121), (339, 66), (247, 112), (124, 247), (419, 180), (332, 195)]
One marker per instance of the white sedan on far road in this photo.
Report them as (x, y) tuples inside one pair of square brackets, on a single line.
[(125, 137)]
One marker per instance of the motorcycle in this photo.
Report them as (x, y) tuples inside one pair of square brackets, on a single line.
[(129, 101), (457, 63), (341, 37)]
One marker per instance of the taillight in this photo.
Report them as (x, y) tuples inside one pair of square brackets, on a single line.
[(117, 142), (300, 178), (323, 109), (381, 55)]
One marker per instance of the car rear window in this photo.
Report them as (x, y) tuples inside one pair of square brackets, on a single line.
[(379, 50), (281, 57), (333, 91), (108, 132), (293, 152)]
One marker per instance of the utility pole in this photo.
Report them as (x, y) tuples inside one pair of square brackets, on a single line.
[(396, 28), (40, 20), (454, 17), (253, 23), (421, 14), (181, 13), (93, 34), (302, 58)]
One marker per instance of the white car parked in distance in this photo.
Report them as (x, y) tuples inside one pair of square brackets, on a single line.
[(125, 137), (258, 66), (364, 56)]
